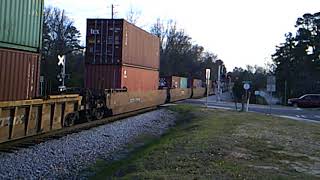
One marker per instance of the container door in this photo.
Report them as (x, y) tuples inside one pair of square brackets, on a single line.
[(114, 35), (183, 83)]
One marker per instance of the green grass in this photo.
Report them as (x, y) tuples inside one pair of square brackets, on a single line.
[(218, 144)]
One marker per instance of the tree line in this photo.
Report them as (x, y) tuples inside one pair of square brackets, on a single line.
[(178, 54), (297, 61), (60, 36)]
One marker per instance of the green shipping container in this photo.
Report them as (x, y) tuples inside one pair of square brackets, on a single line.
[(183, 83), (21, 24)]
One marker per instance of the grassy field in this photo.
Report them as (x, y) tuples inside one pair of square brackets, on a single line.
[(218, 144)]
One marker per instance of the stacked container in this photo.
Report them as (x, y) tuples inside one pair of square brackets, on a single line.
[(174, 82), (120, 55), (198, 89), (183, 83), (197, 83), (170, 82), (20, 44)]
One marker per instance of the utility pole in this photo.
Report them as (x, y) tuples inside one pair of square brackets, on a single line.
[(219, 82), (230, 87), (112, 12), (285, 92)]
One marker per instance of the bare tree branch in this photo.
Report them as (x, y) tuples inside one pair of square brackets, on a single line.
[(133, 15)]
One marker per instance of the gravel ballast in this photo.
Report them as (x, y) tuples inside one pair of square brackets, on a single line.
[(66, 157)]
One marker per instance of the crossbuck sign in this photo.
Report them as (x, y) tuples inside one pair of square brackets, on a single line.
[(61, 60)]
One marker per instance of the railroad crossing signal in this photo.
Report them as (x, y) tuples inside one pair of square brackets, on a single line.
[(62, 75), (61, 60)]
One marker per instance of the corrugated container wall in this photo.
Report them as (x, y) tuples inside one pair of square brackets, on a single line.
[(183, 83), (197, 83), (117, 42), (137, 79), (19, 75), (119, 77), (102, 77), (140, 47), (21, 24), (174, 82)]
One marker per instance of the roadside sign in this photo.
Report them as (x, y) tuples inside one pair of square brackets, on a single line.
[(208, 72), (271, 84), (41, 79), (271, 80), (271, 87), (246, 86), (257, 93)]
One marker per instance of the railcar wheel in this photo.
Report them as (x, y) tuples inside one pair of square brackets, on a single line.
[(88, 115), (70, 120), (99, 113)]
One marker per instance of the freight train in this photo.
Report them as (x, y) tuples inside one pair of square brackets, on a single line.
[(19, 119), (121, 75)]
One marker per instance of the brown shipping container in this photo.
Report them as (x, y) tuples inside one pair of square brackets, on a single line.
[(103, 77), (141, 80), (119, 77), (19, 75), (197, 83), (117, 42)]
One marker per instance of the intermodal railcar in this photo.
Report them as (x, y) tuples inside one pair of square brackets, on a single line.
[(19, 119)]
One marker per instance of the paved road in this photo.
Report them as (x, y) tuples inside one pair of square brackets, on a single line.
[(282, 111)]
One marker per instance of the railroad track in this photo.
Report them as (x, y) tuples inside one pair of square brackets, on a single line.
[(12, 146)]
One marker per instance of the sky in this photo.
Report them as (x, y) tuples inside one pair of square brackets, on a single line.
[(240, 32)]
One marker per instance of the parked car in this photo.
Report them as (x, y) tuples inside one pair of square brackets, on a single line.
[(308, 100)]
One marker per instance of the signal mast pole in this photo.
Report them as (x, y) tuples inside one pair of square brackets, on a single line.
[(112, 12)]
